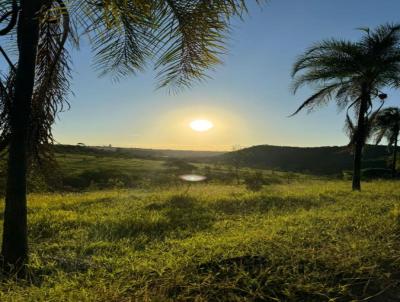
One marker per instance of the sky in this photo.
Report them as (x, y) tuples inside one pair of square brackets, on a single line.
[(248, 98)]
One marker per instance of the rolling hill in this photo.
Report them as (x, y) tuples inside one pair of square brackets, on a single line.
[(314, 160), (326, 160)]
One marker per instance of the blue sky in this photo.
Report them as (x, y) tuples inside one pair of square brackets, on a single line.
[(248, 98)]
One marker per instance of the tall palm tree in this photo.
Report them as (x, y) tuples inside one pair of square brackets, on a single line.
[(353, 75), (387, 125), (182, 38)]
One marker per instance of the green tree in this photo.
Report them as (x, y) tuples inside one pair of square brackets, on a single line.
[(353, 74), (387, 125), (182, 38)]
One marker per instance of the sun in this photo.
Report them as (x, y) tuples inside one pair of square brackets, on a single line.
[(201, 125)]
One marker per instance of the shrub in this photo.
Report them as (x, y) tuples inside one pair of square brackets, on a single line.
[(100, 179), (376, 173), (254, 181)]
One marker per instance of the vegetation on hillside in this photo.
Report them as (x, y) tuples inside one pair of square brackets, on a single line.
[(312, 160), (87, 168), (85, 171)]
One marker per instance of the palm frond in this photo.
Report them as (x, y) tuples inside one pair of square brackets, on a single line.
[(192, 35), (52, 77), (9, 14), (350, 129), (321, 97), (387, 125), (353, 132), (121, 35)]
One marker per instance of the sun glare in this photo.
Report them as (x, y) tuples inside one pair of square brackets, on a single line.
[(201, 125)]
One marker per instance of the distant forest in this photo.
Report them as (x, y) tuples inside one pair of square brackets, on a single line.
[(312, 160)]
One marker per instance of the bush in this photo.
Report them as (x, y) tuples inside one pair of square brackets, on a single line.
[(376, 173), (254, 181), (100, 179)]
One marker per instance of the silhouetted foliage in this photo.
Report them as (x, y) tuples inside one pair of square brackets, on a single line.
[(352, 74), (352, 130), (387, 125)]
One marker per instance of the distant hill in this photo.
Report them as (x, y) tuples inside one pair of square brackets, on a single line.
[(314, 160), (133, 152)]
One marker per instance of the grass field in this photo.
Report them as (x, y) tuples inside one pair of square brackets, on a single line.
[(83, 172), (307, 241)]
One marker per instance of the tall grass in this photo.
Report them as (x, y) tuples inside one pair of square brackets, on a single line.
[(310, 241)]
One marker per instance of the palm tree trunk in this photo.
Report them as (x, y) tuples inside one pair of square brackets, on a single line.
[(395, 156), (360, 140), (357, 168), (15, 243)]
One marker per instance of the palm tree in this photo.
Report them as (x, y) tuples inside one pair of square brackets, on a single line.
[(182, 38), (353, 75), (387, 125)]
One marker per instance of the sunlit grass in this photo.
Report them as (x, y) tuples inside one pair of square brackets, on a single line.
[(307, 241)]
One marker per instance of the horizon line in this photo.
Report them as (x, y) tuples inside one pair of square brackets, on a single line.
[(110, 146)]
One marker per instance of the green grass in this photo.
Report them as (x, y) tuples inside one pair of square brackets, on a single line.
[(72, 163), (80, 172), (307, 241)]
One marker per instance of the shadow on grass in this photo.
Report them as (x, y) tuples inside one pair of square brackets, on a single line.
[(179, 217), (257, 278), (243, 278), (263, 204), (82, 206), (38, 275)]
